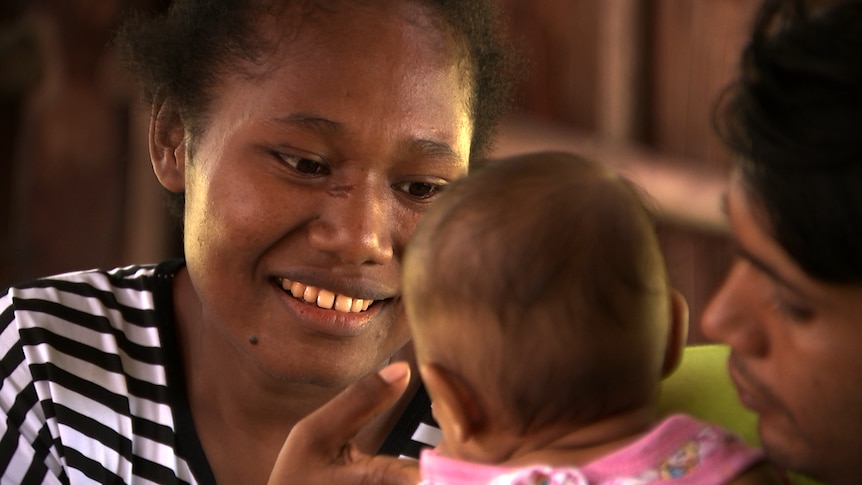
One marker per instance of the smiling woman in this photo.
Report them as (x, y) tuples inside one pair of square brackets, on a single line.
[(303, 143), (341, 176)]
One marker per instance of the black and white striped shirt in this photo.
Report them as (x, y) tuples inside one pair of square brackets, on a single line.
[(92, 388)]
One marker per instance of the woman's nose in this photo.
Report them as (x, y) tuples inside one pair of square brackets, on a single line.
[(733, 316), (356, 225)]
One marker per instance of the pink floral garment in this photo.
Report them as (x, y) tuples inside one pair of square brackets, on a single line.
[(679, 451)]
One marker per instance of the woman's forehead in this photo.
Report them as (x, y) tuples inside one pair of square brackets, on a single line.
[(369, 86), (324, 24), (368, 40)]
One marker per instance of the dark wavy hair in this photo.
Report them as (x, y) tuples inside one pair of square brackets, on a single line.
[(794, 117)]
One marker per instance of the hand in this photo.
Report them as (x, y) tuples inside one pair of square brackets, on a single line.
[(318, 449)]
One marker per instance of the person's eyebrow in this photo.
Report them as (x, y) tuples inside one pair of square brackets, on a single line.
[(433, 148), (766, 268), (312, 122), (425, 146)]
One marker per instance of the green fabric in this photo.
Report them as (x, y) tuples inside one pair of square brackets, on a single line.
[(702, 388)]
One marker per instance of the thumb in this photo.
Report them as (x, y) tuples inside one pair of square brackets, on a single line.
[(321, 440)]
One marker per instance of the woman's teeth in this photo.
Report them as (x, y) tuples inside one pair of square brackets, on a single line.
[(325, 298)]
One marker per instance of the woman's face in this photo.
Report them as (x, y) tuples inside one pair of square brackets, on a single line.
[(308, 180), (796, 351)]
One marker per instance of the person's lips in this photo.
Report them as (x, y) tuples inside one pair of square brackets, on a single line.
[(752, 394), (335, 313)]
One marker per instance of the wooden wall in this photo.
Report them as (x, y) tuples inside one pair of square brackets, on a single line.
[(628, 81), (633, 82), (74, 161)]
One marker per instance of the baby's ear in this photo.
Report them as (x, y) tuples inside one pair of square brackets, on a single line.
[(677, 334), (456, 405), (168, 145)]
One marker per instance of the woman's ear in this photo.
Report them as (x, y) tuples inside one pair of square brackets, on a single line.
[(168, 145), (678, 334), (455, 405)]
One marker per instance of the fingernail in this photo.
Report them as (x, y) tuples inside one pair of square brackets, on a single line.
[(394, 372)]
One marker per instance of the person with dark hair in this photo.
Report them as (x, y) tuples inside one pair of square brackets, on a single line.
[(544, 324), (303, 142), (791, 306)]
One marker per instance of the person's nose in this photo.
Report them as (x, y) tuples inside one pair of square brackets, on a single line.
[(355, 224), (732, 315)]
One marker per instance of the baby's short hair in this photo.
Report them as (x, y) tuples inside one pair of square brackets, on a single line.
[(560, 253)]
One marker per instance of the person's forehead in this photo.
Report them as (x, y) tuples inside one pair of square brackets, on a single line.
[(367, 46), (366, 76), (368, 22), (753, 240), (757, 246)]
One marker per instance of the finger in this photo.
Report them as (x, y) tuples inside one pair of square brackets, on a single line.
[(365, 470), (387, 470), (317, 450), (326, 431)]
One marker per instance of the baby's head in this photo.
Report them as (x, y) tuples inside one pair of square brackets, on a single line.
[(536, 291)]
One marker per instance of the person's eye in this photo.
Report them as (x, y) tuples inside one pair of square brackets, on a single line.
[(420, 190), (791, 311), (302, 165)]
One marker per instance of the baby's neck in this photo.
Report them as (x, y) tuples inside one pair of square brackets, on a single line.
[(577, 445)]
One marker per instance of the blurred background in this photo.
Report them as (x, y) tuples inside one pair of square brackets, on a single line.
[(629, 82)]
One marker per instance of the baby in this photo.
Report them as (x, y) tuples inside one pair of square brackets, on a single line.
[(543, 325)]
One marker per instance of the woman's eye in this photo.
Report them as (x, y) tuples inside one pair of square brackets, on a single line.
[(420, 190), (304, 165)]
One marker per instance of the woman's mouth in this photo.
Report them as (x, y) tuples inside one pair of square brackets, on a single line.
[(323, 298)]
